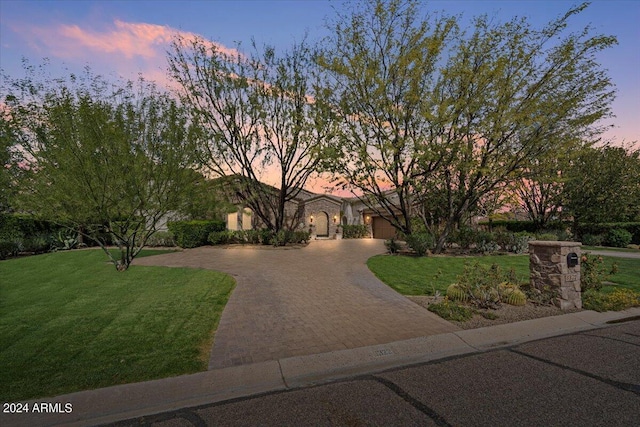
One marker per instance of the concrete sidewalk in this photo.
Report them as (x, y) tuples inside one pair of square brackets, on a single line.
[(418, 395)]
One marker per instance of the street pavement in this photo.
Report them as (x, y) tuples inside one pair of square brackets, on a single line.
[(579, 369), (589, 378)]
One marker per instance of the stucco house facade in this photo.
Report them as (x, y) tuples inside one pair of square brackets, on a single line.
[(321, 214)]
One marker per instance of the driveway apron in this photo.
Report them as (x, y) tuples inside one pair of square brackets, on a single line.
[(292, 302)]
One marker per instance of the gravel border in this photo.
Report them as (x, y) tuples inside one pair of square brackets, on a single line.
[(506, 313)]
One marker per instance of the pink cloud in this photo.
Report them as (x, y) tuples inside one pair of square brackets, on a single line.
[(127, 48)]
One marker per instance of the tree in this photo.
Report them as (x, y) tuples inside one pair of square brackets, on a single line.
[(108, 161), (380, 66), (504, 95), (259, 117), (603, 185), (538, 189), (8, 166)]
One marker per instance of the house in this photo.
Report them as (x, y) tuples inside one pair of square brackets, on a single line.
[(321, 214)]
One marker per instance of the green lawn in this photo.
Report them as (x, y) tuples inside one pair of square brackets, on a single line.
[(421, 276), (69, 321)]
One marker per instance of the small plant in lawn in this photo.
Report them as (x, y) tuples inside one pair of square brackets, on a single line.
[(593, 272)]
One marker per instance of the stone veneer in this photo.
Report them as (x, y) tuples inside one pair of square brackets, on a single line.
[(548, 266), (323, 205)]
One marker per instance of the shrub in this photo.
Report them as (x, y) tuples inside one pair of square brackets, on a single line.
[(603, 229), (191, 234), (486, 242), (619, 299), (592, 239), (392, 246), (300, 236), (618, 238), (449, 310), (10, 247), (161, 238), (420, 242), (355, 231), (593, 272), (281, 238), (463, 237), (252, 236), (38, 243), (218, 237), (547, 236), (266, 236)]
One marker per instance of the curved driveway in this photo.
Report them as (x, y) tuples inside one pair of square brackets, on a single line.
[(291, 302)]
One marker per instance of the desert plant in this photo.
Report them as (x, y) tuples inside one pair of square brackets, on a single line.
[(619, 299), (64, 241), (513, 296), (456, 293), (449, 310)]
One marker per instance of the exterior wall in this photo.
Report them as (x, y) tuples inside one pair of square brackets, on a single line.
[(247, 215), (232, 221), (316, 207)]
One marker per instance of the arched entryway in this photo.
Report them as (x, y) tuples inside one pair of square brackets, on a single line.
[(322, 225)]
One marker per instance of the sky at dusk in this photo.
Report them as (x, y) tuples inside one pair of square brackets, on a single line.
[(130, 37)]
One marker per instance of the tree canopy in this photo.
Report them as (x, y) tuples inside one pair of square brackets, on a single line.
[(259, 118), (434, 112), (108, 160)]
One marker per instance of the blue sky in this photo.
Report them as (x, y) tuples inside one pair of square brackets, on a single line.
[(127, 37)]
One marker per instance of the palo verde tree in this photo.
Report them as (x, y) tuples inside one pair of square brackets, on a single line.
[(380, 66), (260, 121), (478, 107), (105, 159), (509, 95)]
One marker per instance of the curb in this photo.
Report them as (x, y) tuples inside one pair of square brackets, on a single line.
[(122, 402)]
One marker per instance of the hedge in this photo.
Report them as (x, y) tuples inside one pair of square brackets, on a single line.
[(605, 229), (356, 231), (191, 234), (520, 226)]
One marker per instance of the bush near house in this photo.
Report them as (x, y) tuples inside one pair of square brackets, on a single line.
[(355, 231), (191, 234)]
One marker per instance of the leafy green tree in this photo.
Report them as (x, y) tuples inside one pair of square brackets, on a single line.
[(8, 166), (380, 66), (603, 185), (108, 161), (432, 112), (259, 117)]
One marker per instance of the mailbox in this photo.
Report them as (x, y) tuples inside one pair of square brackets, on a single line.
[(572, 259)]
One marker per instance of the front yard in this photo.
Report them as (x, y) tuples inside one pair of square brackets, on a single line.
[(424, 275), (69, 322)]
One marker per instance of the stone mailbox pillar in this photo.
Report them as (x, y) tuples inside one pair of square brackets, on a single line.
[(557, 265)]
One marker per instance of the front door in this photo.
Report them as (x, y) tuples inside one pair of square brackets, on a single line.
[(322, 226)]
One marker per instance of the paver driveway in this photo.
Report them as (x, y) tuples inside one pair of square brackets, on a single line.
[(291, 302)]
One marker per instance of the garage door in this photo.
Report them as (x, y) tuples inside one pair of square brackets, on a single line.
[(382, 229)]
